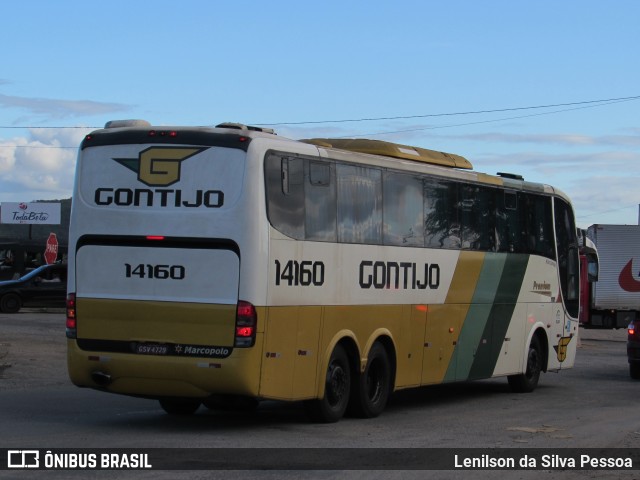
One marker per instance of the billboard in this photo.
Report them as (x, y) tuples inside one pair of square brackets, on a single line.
[(34, 213)]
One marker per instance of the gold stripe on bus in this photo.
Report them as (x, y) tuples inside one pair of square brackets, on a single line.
[(465, 278), (444, 322), (152, 321)]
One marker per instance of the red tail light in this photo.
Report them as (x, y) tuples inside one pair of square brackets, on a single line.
[(246, 323), (163, 133), (72, 321)]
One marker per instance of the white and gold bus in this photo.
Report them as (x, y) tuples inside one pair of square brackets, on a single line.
[(228, 263)]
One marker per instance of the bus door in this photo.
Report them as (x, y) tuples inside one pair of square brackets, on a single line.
[(568, 302)]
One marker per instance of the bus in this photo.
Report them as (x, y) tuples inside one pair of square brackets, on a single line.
[(589, 267), (229, 265)]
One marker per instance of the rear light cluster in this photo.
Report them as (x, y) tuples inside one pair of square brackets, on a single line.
[(163, 133), (72, 324), (634, 330), (246, 324)]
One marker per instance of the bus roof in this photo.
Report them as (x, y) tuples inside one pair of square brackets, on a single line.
[(395, 150)]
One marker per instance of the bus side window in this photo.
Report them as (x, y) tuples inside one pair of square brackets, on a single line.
[(538, 226), (441, 223), (477, 207), (320, 202), (359, 204), (403, 210), (285, 194), (508, 229)]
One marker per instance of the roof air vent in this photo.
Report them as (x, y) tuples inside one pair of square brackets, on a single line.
[(512, 176), (241, 126), (127, 123)]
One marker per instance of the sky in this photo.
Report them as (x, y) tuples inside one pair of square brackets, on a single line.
[(546, 89)]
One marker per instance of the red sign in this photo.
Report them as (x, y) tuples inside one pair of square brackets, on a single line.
[(51, 252)]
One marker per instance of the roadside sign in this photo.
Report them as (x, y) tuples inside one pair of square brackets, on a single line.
[(35, 213), (51, 252)]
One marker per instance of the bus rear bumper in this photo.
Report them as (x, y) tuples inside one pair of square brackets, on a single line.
[(165, 376)]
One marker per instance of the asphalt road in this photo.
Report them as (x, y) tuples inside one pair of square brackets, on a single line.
[(593, 405)]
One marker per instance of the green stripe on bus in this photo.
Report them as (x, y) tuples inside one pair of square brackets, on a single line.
[(500, 316), (472, 333)]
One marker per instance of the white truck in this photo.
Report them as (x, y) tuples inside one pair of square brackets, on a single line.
[(615, 298)]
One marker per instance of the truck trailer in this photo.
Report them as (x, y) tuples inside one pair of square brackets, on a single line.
[(614, 299)]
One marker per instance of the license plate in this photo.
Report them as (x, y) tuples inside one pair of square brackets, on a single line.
[(152, 349)]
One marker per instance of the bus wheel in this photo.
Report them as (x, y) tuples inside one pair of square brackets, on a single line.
[(374, 385), (10, 303), (179, 406), (528, 381), (331, 407)]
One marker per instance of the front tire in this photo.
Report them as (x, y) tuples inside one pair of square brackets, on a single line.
[(331, 407), (10, 303), (528, 381), (370, 397)]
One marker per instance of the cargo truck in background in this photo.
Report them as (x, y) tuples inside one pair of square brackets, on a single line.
[(610, 293)]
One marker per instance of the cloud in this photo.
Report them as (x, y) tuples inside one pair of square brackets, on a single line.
[(629, 138), (604, 199), (563, 139), (601, 185), (567, 140), (56, 108), (39, 166), (622, 161)]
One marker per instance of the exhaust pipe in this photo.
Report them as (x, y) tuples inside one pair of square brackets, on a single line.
[(101, 378)]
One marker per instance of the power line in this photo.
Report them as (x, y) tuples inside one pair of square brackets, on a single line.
[(608, 211), (585, 104), (435, 127), (474, 112), (402, 117)]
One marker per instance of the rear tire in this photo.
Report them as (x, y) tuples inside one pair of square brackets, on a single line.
[(634, 371), (373, 388), (180, 406), (528, 381), (10, 303), (331, 407)]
